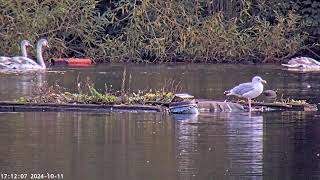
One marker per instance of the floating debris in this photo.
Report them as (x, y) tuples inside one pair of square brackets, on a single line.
[(72, 61), (183, 104)]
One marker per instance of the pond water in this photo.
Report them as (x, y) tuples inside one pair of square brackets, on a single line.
[(135, 146)]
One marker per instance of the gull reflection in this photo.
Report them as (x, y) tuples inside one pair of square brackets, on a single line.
[(229, 143), (245, 144)]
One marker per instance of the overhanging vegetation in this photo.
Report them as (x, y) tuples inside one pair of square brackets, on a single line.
[(162, 31)]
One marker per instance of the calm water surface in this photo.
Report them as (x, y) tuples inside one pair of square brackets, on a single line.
[(135, 146)]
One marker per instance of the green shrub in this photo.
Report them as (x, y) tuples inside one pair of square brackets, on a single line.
[(164, 31), (160, 31)]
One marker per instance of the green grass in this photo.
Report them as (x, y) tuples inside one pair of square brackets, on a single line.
[(90, 95)]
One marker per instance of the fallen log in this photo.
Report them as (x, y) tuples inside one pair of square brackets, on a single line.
[(176, 107), (241, 106), (46, 107), (283, 106)]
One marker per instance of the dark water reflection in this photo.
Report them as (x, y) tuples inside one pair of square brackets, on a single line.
[(156, 146), (276, 145)]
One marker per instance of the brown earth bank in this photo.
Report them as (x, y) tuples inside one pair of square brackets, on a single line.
[(151, 31)]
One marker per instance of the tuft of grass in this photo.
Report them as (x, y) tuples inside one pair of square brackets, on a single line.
[(97, 97)]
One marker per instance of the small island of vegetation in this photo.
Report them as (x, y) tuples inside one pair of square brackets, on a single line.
[(87, 94)]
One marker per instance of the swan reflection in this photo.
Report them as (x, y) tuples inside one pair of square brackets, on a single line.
[(17, 85)]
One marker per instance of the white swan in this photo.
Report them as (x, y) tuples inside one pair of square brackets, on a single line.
[(25, 63), (303, 63), (23, 47)]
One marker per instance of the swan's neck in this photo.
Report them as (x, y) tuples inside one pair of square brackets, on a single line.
[(39, 56), (24, 50)]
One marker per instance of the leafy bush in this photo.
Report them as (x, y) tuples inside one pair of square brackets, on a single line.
[(161, 31), (166, 31)]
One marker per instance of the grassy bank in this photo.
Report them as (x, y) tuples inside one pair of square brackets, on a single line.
[(164, 31)]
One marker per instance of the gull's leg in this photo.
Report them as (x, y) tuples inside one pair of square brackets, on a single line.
[(249, 102)]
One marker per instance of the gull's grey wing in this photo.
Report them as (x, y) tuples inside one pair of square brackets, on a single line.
[(242, 88)]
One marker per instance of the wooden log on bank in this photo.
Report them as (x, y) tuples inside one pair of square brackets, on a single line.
[(284, 106), (47, 107), (221, 106), (201, 105)]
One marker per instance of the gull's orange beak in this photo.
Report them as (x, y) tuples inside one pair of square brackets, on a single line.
[(264, 81)]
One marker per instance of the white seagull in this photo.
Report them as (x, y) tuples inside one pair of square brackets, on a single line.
[(249, 90)]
